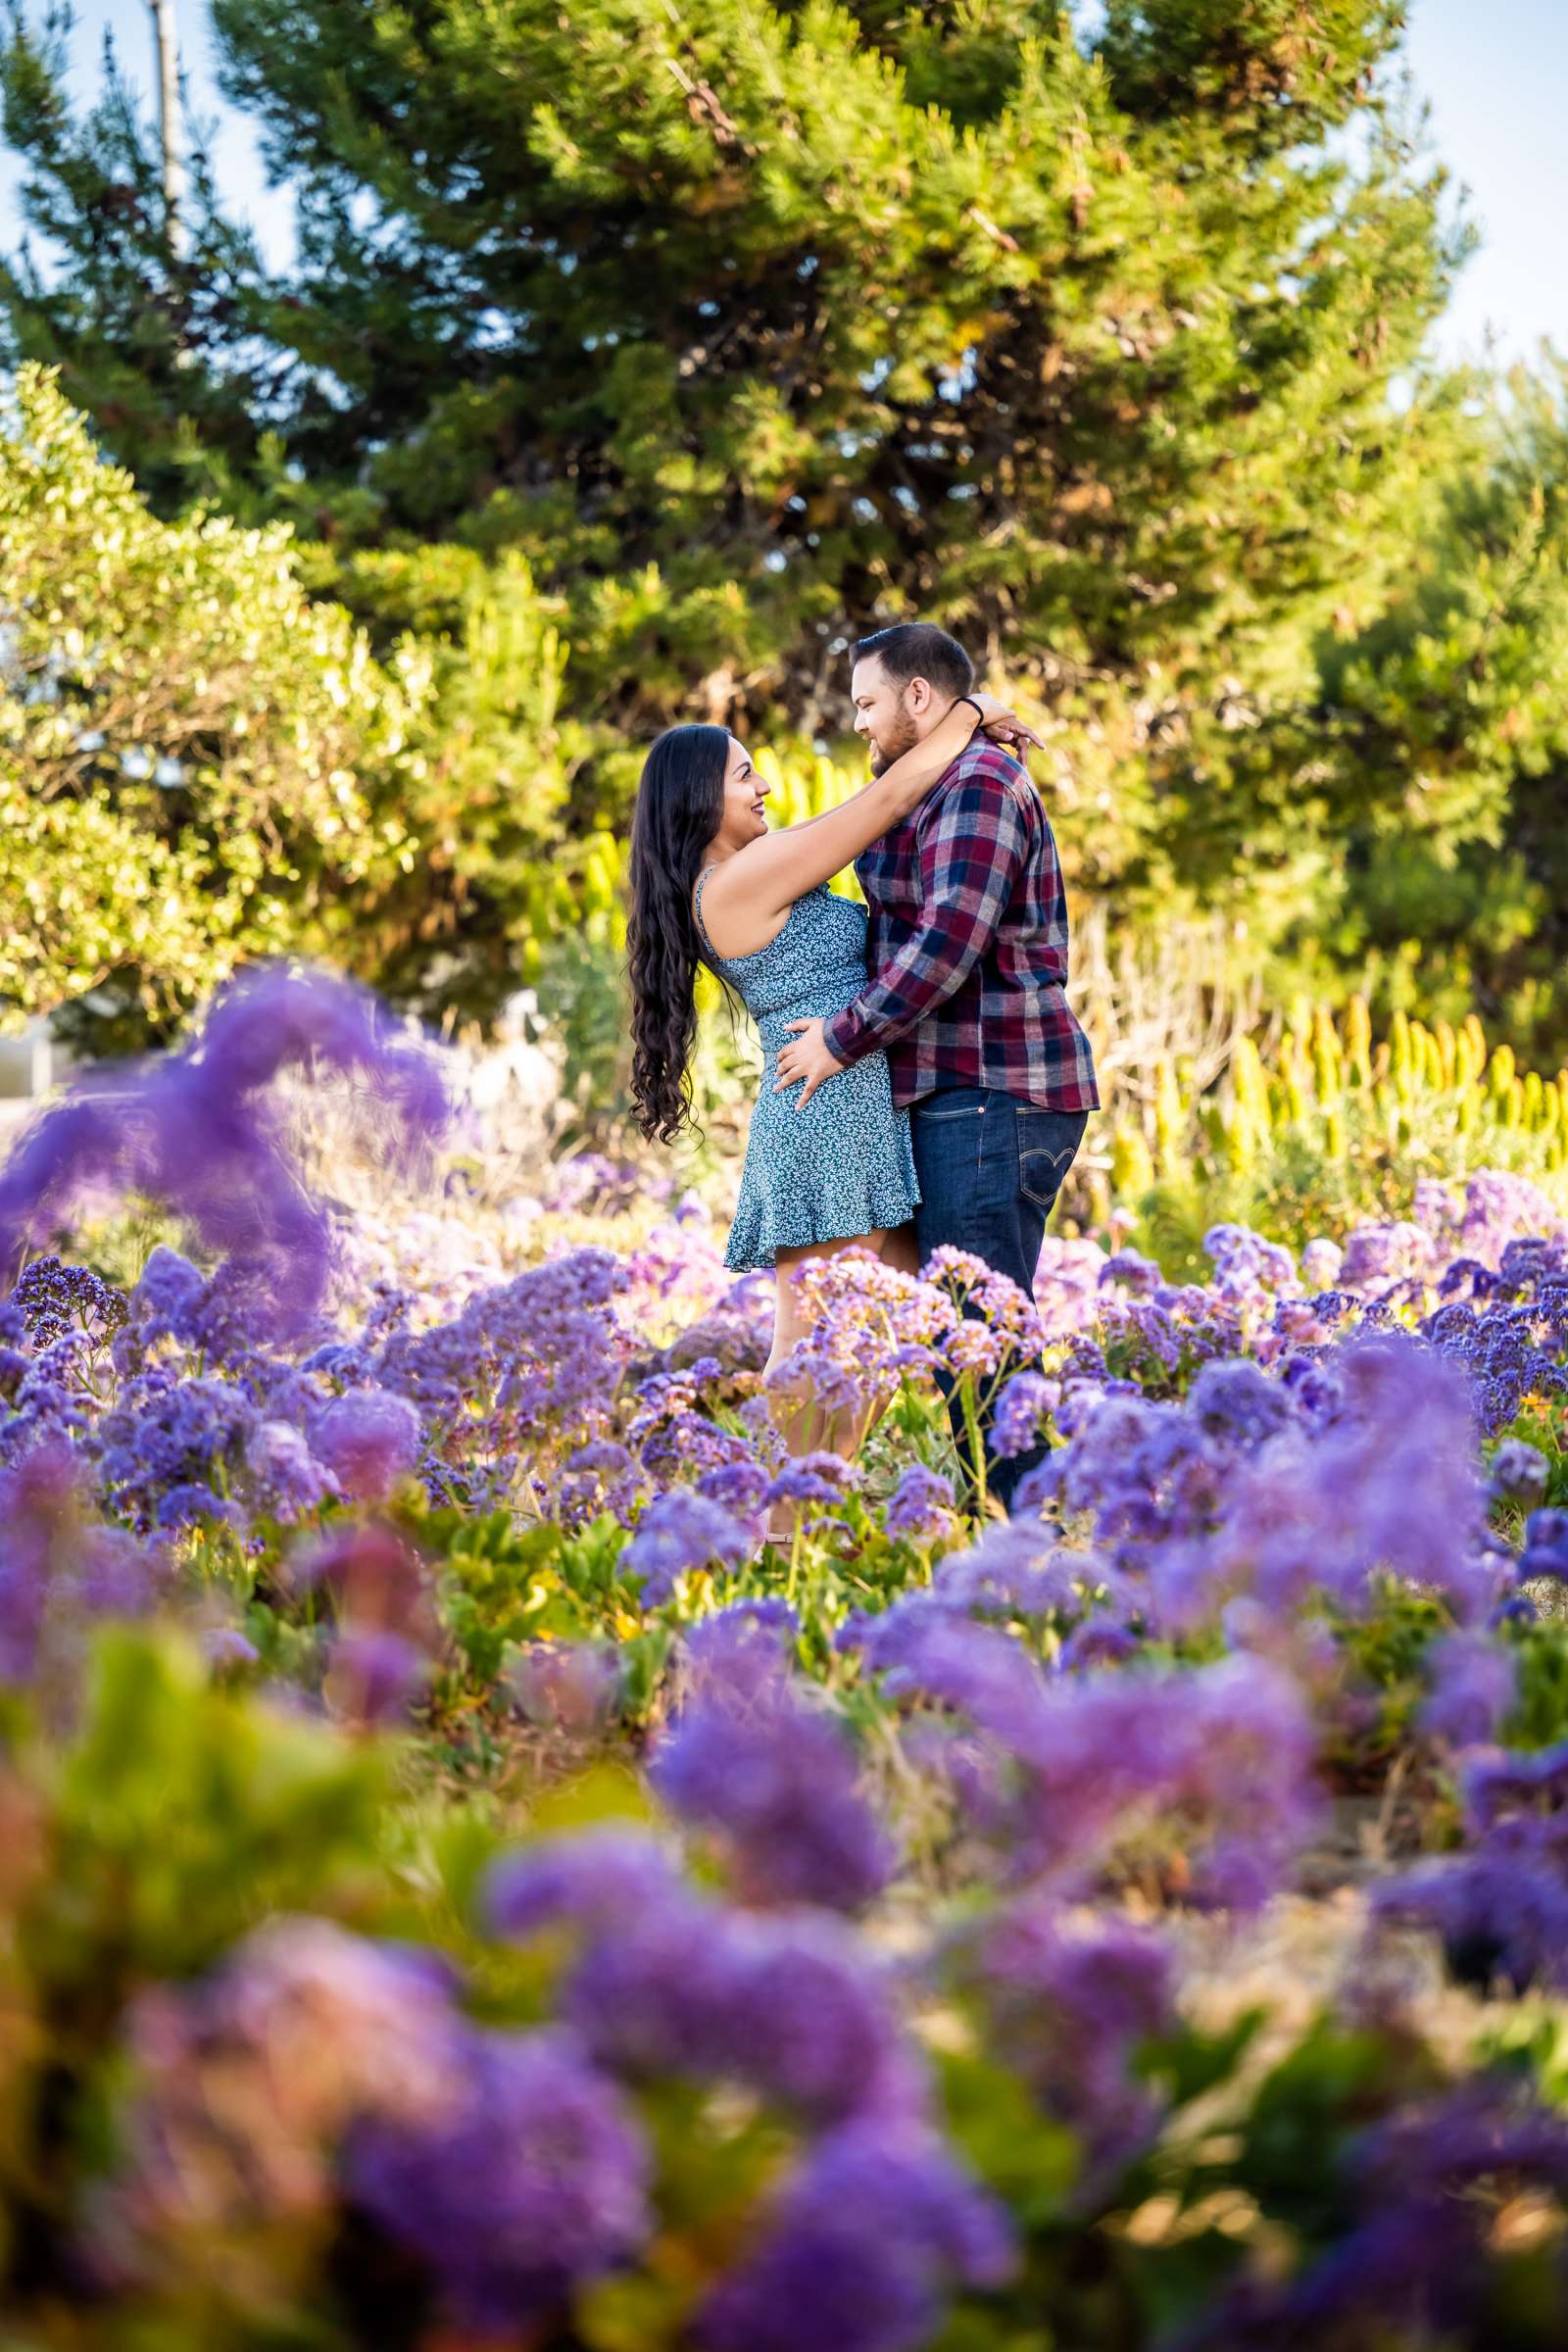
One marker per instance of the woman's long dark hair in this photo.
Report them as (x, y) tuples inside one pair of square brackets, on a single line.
[(680, 805)]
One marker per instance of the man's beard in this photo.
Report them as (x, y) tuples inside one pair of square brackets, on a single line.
[(899, 738)]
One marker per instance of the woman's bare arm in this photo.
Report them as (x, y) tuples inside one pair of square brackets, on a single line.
[(755, 888)]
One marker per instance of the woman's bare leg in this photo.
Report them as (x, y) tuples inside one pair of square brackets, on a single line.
[(806, 1429), (900, 1251)]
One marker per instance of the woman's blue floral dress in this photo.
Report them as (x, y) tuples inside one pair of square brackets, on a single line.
[(843, 1165)]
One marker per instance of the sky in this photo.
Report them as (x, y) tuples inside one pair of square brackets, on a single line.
[(1493, 74)]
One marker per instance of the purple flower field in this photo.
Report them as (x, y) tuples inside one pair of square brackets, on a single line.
[(465, 1889)]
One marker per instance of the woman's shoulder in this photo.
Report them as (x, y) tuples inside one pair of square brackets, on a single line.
[(705, 908)]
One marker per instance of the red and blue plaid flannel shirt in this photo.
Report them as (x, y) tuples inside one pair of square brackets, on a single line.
[(968, 946)]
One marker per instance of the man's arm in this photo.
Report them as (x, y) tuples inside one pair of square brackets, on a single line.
[(973, 843)]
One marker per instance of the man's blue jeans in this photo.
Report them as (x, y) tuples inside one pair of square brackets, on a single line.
[(990, 1167)]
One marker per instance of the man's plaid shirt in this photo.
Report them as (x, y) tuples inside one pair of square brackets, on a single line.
[(968, 946)]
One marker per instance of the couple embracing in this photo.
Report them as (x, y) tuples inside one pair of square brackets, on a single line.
[(924, 1081)]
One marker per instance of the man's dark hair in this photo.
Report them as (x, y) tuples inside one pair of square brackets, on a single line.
[(918, 648)]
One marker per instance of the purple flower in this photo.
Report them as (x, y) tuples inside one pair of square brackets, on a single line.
[(1501, 1909), (1016, 1570), (859, 2248), (1236, 1402), (572, 1687), (195, 1131), (1082, 1769), (543, 1350), (1502, 1915), (601, 1476), (679, 1535), (162, 1432), (285, 1476), (1021, 1406), (739, 1650), (227, 2131), (374, 1576), (1321, 1261), (1386, 1481), (669, 1983), (808, 2019), (227, 1649), (927, 1645), (591, 1182), (58, 1570), (36, 1499), (738, 1487), (775, 1777), (1508, 1785), (921, 1507), (55, 1300), (1472, 1688), (1519, 1471), (650, 1991), (1385, 1253), (374, 1675), (819, 1478), (369, 1439), (1132, 1271), (591, 1879), (533, 2184), (1098, 1644), (189, 1505), (1546, 1548), (164, 1298), (1067, 2004)]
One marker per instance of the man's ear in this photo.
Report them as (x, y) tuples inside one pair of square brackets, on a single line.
[(919, 691)]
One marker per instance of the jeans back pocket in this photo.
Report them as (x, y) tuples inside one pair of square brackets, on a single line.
[(1048, 1145)]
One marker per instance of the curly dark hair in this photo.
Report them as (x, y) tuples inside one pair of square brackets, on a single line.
[(680, 803)]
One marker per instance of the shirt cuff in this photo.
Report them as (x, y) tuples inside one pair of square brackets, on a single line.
[(845, 1036)]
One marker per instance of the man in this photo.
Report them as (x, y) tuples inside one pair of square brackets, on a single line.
[(968, 957)]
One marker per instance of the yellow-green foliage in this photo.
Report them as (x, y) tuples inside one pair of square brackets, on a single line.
[(185, 738), (1329, 1124)]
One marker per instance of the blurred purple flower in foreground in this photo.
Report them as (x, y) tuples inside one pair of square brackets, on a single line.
[(1069, 2001), (858, 2249), (533, 2183), (369, 1439), (1519, 1471), (1472, 1688), (373, 1676), (774, 1775), (1418, 2265), (1209, 1769), (194, 1130), (874, 2220), (58, 1569), (1502, 1908), (668, 1982), (313, 2058)]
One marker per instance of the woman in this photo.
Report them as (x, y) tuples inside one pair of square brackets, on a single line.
[(711, 885)]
